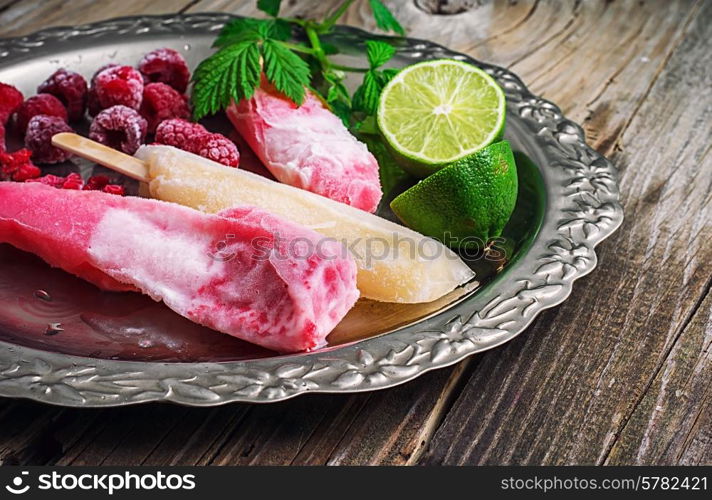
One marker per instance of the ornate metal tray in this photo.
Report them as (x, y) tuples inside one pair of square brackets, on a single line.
[(89, 348)]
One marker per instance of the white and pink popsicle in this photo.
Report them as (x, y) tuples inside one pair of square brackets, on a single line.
[(239, 272), (308, 147)]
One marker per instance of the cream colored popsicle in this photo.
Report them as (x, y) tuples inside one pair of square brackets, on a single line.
[(394, 263)]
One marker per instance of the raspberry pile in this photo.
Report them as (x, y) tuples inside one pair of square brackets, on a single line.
[(18, 166), (119, 127), (70, 88), (93, 106), (162, 102), (38, 138), (41, 104), (194, 138), (165, 66), (127, 104), (10, 100), (74, 181), (118, 85)]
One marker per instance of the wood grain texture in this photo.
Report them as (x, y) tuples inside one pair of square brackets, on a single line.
[(563, 393), (620, 373), (26, 16), (677, 405)]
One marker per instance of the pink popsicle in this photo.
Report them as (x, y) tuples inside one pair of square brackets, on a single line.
[(308, 147), (244, 272)]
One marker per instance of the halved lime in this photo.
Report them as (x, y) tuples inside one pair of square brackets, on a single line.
[(464, 204), (435, 112)]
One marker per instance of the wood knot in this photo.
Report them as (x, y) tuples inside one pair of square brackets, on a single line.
[(447, 7)]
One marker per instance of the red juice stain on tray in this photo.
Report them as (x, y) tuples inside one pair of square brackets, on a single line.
[(48, 309)]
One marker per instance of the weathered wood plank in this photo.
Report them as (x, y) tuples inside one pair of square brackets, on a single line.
[(673, 422), (26, 16), (563, 392), (198, 437), (386, 427)]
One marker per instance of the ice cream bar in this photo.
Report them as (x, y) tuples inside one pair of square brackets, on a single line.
[(394, 263), (308, 147), (244, 272)]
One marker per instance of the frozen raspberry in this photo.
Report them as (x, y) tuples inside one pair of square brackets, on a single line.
[(73, 181), (2, 138), (114, 189), (161, 102), (41, 104), (166, 66), (96, 183), (70, 88), (49, 180), (218, 148), (179, 133), (18, 166), (104, 67), (93, 106), (38, 138), (119, 127), (10, 100), (118, 85)]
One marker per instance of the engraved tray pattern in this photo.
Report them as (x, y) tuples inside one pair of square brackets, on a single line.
[(582, 209)]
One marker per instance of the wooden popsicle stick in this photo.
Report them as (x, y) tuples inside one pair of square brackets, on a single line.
[(103, 155)]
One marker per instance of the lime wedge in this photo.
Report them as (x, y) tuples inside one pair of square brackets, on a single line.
[(466, 203), (435, 112)]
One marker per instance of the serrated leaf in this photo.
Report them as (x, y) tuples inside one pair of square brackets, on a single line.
[(378, 53), (342, 110), (286, 70), (231, 73), (387, 75), (270, 7), (281, 30), (385, 20), (366, 96), (337, 91), (240, 30)]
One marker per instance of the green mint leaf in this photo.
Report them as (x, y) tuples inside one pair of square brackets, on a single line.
[(379, 53), (366, 96), (286, 70), (385, 20), (337, 91), (281, 30), (338, 99), (240, 30), (270, 7), (231, 73), (342, 110), (390, 173), (388, 74), (366, 126)]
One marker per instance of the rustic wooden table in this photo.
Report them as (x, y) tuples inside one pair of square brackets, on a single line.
[(620, 373)]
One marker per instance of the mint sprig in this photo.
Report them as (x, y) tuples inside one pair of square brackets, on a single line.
[(285, 69), (366, 96), (231, 73), (248, 48)]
